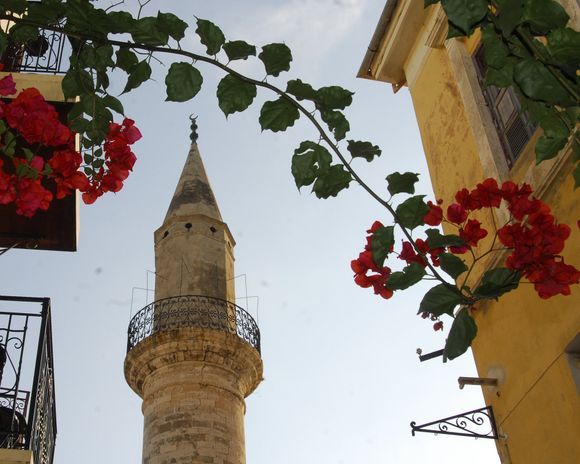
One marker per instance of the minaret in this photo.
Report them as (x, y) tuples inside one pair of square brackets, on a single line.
[(193, 355)]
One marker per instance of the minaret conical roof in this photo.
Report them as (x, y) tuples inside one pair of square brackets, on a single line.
[(193, 194)]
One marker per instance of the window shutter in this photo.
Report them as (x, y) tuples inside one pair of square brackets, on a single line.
[(513, 126)]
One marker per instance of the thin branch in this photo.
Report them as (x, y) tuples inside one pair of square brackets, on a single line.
[(263, 84)]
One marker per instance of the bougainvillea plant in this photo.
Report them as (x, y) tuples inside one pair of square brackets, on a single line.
[(529, 243), (30, 128), (527, 45)]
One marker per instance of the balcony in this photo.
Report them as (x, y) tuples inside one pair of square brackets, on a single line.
[(193, 311), (27, 402), (41, 55)]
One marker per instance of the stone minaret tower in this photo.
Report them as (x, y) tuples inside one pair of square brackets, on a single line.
[(193, 355)]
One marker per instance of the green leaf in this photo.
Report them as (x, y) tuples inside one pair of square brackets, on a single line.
[(137, 75), (234, 94), (120, 21), (239, 50), (172, 25), (495, 51), (452, 265), (503, 77), (412, 211), (329, 183), (538, 83), (79, 125), (309, 159), (337, 123), (465, 14), (382, 242), (509, 15), (147, 31), (278, 115), (183, 82), (553, 125), (436, 240), (544, 15), (564, 45), (83, 16), (496, 282), (211, 36), (114, 104), (301, 90), (549, 147), (430, 2), (453, 31), (15, 6), (104, 56), (462, 333), (333, 97), (76, 82), (126, 59), (21, 33), (276, 58), (406, 278), (402, 183), (75, 112), (364, 150), (9, 144), (441, 299), (69, 85)]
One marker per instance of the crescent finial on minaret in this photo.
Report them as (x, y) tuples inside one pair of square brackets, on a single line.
[(193, 136)]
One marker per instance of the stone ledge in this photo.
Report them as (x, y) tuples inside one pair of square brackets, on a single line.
[(216, 348)]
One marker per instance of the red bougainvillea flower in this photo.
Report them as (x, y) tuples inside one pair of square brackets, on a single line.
[(434, 216), (464, 198), (36, 120), (438, 326), (65, 166), (472, 233), (487, 194), (409, 255), (7, 86), (31, 197), (364, 264), (532, 235), (456, 213), (7, 186)]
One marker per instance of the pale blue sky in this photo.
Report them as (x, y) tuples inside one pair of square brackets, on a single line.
[(342, 380)]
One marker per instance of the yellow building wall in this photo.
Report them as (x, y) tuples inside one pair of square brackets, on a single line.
[(522, 339), (14, 456)]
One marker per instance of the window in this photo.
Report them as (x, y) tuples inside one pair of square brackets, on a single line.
[(513, 126), (573, 355)]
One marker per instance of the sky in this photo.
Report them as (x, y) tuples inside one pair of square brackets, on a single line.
[(342, 380)]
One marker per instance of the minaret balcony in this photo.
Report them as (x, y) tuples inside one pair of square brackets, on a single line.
[(194, 311)]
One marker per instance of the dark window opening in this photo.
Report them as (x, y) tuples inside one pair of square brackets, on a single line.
[(512, 123)]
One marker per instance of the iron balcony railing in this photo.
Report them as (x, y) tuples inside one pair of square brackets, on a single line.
[(45, 54), (193, 311), (27, 400)]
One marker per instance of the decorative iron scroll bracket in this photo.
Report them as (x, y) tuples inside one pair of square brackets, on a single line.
[(479, 423)]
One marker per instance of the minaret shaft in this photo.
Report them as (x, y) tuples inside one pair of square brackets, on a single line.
[(193, 371)]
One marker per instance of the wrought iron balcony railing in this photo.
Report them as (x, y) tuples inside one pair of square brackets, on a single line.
[(27, 401), (193, 311), (45, 54)]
